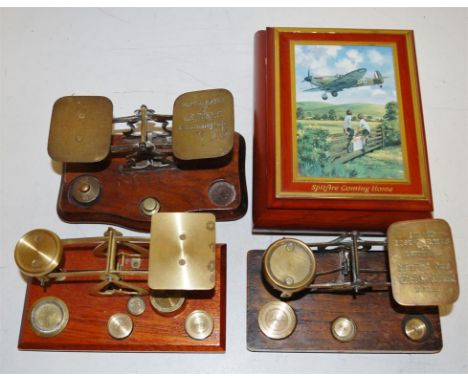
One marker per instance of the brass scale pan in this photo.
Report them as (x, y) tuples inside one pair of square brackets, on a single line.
[(289, 266), (189, 238)]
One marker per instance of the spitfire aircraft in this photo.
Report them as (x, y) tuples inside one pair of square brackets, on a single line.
[(338, 82)]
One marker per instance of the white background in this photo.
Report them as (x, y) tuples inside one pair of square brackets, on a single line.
[(152, 55)]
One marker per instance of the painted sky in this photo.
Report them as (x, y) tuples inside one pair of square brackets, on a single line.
[(339, 59)]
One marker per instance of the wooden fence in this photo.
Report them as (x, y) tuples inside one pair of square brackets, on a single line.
[(339, 146)]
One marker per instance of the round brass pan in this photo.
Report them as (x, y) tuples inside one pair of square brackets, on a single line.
[(289, 266), (38, 252)]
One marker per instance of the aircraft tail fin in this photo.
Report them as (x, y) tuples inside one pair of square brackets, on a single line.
[(378, 78)]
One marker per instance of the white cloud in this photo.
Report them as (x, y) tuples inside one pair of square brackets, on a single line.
[(315, 58), (375, 57), (346, 65), (332, 50), (378, 92), (355, 56)]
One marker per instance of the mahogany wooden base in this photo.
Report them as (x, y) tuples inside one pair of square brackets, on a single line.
[(152, 331), (215, 185), (377, 316)]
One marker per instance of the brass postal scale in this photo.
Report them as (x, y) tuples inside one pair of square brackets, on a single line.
[(120, 293), (353, 294), (189, 161)]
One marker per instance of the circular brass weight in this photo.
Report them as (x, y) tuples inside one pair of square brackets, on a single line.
[(199, 325), (149, 206), (277, 320), (344, 329), (38, 252), (136, 305), (85, 189), (120, 326), (416, 329), (49, 316), (289, 266), (167, 302), (222, 193)]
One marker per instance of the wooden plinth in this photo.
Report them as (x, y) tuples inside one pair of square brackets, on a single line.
[(152, 331), (179, 188), (376, 314)]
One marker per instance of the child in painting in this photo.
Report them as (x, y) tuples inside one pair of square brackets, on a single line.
[(358, 142), (348, 129), (364, 128)]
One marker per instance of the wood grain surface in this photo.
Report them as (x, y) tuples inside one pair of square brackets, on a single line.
[(152, 332), (376, 314), (179, 188)]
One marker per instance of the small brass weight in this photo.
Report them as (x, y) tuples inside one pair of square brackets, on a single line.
[(422, 272), (180, 254)]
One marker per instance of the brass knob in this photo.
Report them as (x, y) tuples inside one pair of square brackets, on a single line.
[(149, 206), (416, 329), (85, 189)]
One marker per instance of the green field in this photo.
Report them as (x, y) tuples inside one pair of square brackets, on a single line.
[(333, 127), (386, 163), (311, 108)]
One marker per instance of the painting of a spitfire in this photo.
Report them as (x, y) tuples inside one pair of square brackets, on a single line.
[(355, 133), (338, 82)]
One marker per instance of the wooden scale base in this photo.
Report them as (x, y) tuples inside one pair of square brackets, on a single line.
[(378, 318), (214, 185), (152, 331)]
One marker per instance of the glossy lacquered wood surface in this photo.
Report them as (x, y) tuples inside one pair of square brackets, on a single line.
[(152, 331), (179, 188), (273, 213)]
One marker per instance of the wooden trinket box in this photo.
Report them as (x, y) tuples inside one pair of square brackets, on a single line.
[(339, 137)]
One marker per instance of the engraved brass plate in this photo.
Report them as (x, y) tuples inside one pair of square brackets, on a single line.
[(81, 129), (203, 124), (423, 270), (182, 251)]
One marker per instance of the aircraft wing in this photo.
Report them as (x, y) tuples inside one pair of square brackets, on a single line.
[(313, 90), (346, 81)]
